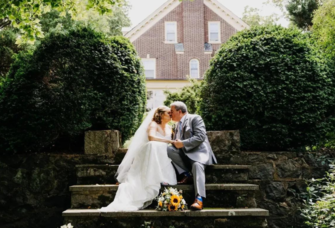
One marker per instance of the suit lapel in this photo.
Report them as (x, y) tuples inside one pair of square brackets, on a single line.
[(183, 126)]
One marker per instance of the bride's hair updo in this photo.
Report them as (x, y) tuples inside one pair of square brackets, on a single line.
[(159, 112)]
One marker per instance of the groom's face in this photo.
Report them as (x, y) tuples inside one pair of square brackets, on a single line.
[(175, 115)]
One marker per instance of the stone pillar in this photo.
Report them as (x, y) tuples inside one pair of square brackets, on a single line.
[(105, 142), (224, 144)]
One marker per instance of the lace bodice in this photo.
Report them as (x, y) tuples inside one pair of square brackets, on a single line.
[(167, 136)]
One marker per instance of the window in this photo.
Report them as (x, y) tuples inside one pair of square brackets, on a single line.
[(171, 32), (214, 32), (149, 67), (194, 68)]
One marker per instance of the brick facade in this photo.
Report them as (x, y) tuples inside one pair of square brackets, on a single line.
[(192, 30)]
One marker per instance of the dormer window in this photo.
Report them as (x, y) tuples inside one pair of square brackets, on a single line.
[(149, 67), (171, 32), (214, 33), (194, 68)]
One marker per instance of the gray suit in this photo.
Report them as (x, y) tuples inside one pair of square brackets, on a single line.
[(196, 153)]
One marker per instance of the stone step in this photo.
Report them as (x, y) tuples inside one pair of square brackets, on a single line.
[(218, 195), (102, 174), (209, 217)]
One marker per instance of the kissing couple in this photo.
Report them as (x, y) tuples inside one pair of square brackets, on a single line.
[(151, 162)]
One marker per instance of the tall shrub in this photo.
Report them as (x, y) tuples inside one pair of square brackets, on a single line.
[(269, 83), (189, 95), (73, 82)]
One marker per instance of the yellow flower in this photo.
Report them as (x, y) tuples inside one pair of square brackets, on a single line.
[(160, 203), (172, 207), (175, 200), (182, 206), (180, 197)]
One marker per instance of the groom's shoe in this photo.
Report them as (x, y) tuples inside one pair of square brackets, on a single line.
[(197, 205), (186, 180)]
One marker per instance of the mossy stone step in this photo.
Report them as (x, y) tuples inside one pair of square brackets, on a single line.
[(218, 195), (102, 174), (209, 217)]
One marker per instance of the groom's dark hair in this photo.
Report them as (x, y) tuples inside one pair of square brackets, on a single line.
[(179, 106)]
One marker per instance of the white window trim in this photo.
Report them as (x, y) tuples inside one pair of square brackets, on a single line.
[(155, 69), (198, 67), (165, 35), (209, 32)]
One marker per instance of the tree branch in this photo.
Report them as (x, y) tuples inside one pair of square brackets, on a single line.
[(4, 23)]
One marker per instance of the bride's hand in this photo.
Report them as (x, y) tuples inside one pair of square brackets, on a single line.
[(172, 141)]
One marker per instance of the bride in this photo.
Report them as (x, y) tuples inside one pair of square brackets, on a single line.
[(146, 164)]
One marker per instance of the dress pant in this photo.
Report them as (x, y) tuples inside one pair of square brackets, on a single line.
[(183, 164)]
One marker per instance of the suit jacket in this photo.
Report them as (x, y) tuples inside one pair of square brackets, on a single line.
[(196, 144)]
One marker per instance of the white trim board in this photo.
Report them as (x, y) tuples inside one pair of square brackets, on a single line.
[(169, 5), (152, 19), (226, 14)]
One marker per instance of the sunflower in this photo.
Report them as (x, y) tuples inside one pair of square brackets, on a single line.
[(160, 203), (173, 207), (175, 200)]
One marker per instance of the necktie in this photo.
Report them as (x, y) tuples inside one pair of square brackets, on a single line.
[(179, 130)]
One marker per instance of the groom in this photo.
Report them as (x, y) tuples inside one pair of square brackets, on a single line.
[(191, 151)]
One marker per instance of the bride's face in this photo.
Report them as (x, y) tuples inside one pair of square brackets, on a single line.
[(166, 116)]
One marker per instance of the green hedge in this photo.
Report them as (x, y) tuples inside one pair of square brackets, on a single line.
[(269, 83), (8, 49), (73, 82)]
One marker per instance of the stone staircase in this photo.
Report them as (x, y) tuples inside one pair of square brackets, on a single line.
[(227, 204), (230, 198)]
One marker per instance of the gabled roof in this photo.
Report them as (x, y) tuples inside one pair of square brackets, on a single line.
[(169, 5)]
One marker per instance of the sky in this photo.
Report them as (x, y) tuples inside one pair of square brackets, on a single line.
[(143, 8)]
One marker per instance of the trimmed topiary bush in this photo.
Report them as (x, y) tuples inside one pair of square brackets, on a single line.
[(268, 83), (73, 82)]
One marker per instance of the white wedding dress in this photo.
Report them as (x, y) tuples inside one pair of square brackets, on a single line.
[(149, 168)]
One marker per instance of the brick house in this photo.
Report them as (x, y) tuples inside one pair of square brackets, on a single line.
[(178, 40)]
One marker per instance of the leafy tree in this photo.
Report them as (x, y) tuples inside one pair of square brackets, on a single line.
[(74, 81), (190, 95), (323, 28), (8, 49), (111, 25), (301, 12), (269, 83), (252, 17), (25, 15)]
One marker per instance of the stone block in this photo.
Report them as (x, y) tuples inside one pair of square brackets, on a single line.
[(222, 141), (289, 168), (275, 191), (102, 142), (261, 171)]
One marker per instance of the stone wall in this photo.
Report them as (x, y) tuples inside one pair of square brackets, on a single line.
[(34, 189)]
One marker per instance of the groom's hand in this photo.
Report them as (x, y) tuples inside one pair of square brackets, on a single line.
[(178, 144)]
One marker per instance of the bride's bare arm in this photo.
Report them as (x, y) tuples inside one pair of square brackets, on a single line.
[(152, 129)]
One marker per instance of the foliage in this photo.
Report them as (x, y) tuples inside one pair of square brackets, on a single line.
[(189, 95), (269, 83), (111, 25), (25, 15), (319, 202), (8, 49), (301, 12), (73, 82), (252, 17), (323, 28)]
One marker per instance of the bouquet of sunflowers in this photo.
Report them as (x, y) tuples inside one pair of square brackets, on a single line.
[(171, 200)]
